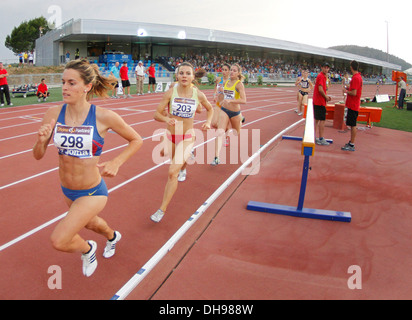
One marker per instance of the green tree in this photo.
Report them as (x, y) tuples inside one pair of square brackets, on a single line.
[(23, 37)]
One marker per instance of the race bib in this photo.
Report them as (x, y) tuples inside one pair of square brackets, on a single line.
[(74, 141), (183, 107), (229, 94)]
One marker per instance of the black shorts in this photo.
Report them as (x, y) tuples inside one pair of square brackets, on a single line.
[(319, 112), (125, 83), (152, 80), (351, 118), (43, 94)]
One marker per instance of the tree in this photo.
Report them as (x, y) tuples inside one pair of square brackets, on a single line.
[(23, 37)]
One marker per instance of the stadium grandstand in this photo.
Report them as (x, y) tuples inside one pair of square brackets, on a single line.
[(105, 42)]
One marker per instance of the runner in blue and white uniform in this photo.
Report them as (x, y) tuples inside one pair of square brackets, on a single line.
[(79, 129)]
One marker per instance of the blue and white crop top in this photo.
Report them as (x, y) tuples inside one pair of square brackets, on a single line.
[(81, 142)]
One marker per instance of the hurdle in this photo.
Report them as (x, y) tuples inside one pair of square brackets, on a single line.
[(308, 150)]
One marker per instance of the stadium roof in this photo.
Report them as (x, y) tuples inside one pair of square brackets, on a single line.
[(95, 30)]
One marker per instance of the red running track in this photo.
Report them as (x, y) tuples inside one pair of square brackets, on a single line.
[(30, 198)]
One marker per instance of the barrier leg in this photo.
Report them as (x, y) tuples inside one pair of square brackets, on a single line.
[(303, 183)]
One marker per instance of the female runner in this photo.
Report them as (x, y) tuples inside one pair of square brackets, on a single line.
[(305, 86), (182, 101), (79, 130), (234, 95), (220, 83)]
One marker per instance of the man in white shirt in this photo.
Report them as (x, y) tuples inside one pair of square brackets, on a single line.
[(402, 94), (139, 71)]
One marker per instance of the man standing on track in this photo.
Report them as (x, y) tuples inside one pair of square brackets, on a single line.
[(139, 78), (115, 72), (124, 76), (354, 93), (151, 71), (4, 87), (320, 98)]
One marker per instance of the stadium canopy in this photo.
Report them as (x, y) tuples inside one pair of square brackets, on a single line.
[(94, 38)]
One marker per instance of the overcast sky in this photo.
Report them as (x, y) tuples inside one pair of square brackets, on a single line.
[(322, 23)]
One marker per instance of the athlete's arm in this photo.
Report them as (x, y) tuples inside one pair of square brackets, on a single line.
[(159, 115), (204, 102), (45, 133), (113, 121)]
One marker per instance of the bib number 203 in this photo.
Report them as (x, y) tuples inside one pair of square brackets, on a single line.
[(70, 142), (184, 108)]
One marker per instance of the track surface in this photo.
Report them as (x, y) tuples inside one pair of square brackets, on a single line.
[(229, 253)]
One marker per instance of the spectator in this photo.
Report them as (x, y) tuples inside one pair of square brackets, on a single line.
[(139, 71), (77, 54), (151, 71), (402, 93), (114, 71), (67, 56), (124, 76), (31, 58), (20, 58), (42, 91), (4, 87)]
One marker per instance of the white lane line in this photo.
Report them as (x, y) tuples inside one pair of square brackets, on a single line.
[(27, 234), (155, 259)]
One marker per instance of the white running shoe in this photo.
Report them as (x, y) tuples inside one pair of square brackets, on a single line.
[(89, 260), (182, 176), (110, 248), (157, 216), (322, 142)]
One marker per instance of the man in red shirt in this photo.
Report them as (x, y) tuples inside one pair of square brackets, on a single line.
[(124, 76), (354, 93), (42, 90), (4, 87), (151, 71), (320, 98)]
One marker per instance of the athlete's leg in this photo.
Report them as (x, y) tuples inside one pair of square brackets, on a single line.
[(81, 212)]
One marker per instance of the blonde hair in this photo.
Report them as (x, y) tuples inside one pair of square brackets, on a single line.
[(90, 74), (241, 77)]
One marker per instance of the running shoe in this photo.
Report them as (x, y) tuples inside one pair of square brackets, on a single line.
[(348, 147), (243, 119), (322, 142), (215, 162), (110, 248), (157, 216), (89, 259), (182, 176)]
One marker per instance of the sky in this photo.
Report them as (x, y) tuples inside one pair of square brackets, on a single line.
[(321, 23)]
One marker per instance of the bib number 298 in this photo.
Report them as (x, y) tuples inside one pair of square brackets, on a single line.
[(70, 142)]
